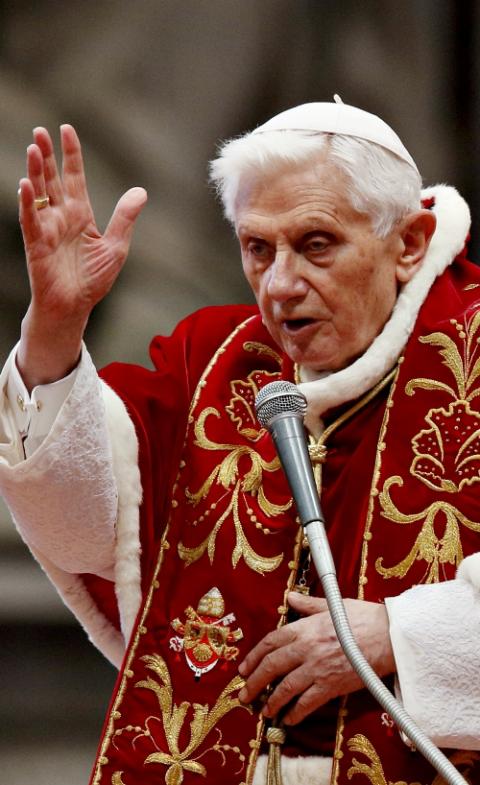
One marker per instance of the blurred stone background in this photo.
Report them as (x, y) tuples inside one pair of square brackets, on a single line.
[(151, 86)]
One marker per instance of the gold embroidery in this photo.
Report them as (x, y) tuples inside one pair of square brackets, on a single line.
[(241, 408), (367, 535), (117, 703), (127, 673), (470, 286), (205, 636), (374, 772), (117, 778), (436, 463), (262, 349), (463, 760), (447, 454), (242, 412), (339, 738), (260, 564), (173, 719), (427, 547), (464, 367)]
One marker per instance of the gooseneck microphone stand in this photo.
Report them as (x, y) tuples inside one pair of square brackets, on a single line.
[(281, 408)]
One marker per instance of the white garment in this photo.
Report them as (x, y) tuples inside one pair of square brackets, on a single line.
[(34, 413), (43, 510), (435, 631)]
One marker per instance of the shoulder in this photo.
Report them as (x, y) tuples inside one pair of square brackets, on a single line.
[(179, 359), (457, 291), (205, 329), (197, 337)]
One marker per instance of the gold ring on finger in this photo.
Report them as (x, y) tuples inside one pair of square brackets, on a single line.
[(41, 202)]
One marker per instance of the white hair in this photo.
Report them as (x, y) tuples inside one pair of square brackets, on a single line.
[(380, 184)]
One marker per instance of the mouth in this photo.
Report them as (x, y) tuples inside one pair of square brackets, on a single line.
[(295, 325)]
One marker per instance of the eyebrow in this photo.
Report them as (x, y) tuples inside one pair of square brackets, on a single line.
[(246, 229), (309, 226)]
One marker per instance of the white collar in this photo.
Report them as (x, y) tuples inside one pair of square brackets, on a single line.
[(453, 224)]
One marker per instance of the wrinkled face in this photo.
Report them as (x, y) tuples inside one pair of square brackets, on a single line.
[(325, 284)]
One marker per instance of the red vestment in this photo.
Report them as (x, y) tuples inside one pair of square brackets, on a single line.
[(398, 494)]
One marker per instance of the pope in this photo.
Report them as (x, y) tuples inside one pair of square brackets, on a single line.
[(156, 503)]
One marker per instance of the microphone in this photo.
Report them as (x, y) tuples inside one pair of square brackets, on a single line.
[(280, 408)]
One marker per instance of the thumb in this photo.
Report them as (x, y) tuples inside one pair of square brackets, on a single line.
[(126, 212), (307, 605)]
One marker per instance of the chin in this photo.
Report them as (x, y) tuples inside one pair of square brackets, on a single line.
[(314, 364), (321, 364), (328, 358)]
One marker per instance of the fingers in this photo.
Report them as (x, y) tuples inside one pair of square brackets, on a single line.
[(29, 218), (298, 682), (73, 171), (304, 662), (295, 683), (35, 170), (43, 171), (53, 183), (306, 605), (273, 665), (311, 699), (286, 653), (129, 206), (269, 644), (263, 663)]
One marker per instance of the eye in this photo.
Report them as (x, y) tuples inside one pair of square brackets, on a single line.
[(315, 245), (259, 249)]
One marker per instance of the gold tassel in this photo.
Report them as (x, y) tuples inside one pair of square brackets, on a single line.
[(275, 737)]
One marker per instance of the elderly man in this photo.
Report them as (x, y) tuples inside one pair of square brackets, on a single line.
[(156, 502)]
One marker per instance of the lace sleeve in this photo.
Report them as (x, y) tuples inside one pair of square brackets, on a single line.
[(63, 497), (435, 633)]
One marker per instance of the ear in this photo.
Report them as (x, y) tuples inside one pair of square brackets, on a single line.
[(416, 232)]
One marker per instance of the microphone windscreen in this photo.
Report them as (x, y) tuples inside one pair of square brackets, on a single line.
[(279, 397)]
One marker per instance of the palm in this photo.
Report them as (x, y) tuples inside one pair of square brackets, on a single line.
[(71, 265)]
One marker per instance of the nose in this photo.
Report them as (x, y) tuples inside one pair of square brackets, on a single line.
[(285, 280)]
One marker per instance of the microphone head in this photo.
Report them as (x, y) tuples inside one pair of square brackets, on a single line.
[(279, 398)]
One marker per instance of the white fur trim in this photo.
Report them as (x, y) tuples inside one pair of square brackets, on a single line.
[(78, 430), (124, 447), (72, 590), (74, 594), (453, 223), (469, 570), (313, 770)]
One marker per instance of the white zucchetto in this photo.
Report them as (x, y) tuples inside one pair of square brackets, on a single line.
[(338, 118)]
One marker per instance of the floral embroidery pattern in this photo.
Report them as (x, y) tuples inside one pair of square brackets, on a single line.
[(446, 454), (434, 550), (173, 719), (374, 772), (240, 488)]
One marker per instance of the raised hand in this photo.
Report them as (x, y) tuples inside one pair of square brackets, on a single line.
[(305, 663), (71, 266)]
